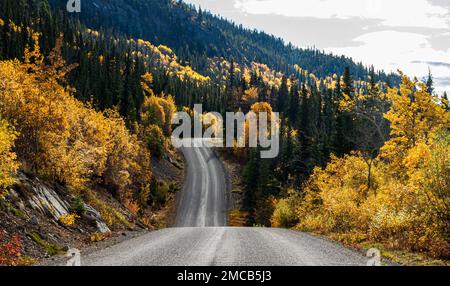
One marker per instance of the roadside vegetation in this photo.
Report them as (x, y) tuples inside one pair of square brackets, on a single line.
[(46, 132), (398, 199)]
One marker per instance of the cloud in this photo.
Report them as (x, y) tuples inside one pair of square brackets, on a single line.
[(436, 64), (391, 50), (391, 35), (398, 13)]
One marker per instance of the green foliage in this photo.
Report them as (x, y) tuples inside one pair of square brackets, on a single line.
[(160, 192), (155, 140), (79, 206), (50, 248)]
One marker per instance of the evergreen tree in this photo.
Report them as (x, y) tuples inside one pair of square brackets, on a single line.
[(283, 96), (430, 83)]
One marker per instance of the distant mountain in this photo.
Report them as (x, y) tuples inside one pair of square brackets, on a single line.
[(195, 36)]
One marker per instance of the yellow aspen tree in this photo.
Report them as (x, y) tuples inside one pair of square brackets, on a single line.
[(8, 163), (414, 116)]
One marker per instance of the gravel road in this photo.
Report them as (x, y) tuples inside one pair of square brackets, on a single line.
[(201, 238)]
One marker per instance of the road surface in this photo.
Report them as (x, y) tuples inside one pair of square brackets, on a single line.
[(201, 238), (203, 201), (224, 246)]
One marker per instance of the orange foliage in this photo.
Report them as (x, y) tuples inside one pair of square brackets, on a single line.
[(10, 250)]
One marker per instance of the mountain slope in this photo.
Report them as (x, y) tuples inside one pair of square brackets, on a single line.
[(193, 34)]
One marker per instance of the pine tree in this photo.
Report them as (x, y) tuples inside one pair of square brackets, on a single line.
[(430, 83), (445, 101), (283, 96), (294, 104)]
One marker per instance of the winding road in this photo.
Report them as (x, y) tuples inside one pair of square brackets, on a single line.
[(203, 202), (201, 237)]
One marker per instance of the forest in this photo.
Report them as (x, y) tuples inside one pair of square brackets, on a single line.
[(89, 98)]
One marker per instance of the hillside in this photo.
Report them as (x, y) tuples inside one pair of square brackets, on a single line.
[(86, 104), (194, 34)]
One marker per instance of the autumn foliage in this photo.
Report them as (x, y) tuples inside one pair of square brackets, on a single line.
[(407, 203), (61, 138), (8, 164), (10, 250)]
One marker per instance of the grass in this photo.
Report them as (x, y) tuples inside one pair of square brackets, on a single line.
[(11, 209), (404, 257), (51, 249)]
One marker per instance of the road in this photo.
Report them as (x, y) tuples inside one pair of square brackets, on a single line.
[(201, 238), (203, 200)]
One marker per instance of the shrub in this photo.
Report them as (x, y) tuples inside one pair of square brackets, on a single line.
[(155, 140), (79, 205), (61, 138), (68, 219), (285, 214), (10, 250), (160, 192)]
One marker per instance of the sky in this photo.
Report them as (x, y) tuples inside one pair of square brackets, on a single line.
[(410, 35)]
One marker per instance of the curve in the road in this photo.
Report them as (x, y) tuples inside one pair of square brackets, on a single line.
[(203, 202)]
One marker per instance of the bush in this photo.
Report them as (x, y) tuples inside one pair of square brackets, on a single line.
[(68, 219), (79, 205), (10, 250), (158, 111), (285, 214), (61, 138), (160, 192), (155, 140)]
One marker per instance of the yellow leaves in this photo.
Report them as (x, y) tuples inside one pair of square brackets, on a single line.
[(8, 163), (146, 83), (34, 58), (347, 103), (63, 139), (408, 202), (15, 28), (411, 212), (414, 115), (2, 23), (165, 50), (285, 212), (250, 95), (68, 219), (158, 111), (416, 156)]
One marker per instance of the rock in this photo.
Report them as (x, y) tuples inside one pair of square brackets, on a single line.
[(13, 194), (94, 216), (21, 206), (46, 200), (102, 227), (34, 221)]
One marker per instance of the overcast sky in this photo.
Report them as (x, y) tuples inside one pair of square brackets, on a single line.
[(411, 35)]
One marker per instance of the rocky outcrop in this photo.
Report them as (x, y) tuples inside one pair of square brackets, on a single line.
[(51, 200)]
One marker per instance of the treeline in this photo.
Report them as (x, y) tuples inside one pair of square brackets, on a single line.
[(314, 125), (110, 66), (360, 161), (197, 35)]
